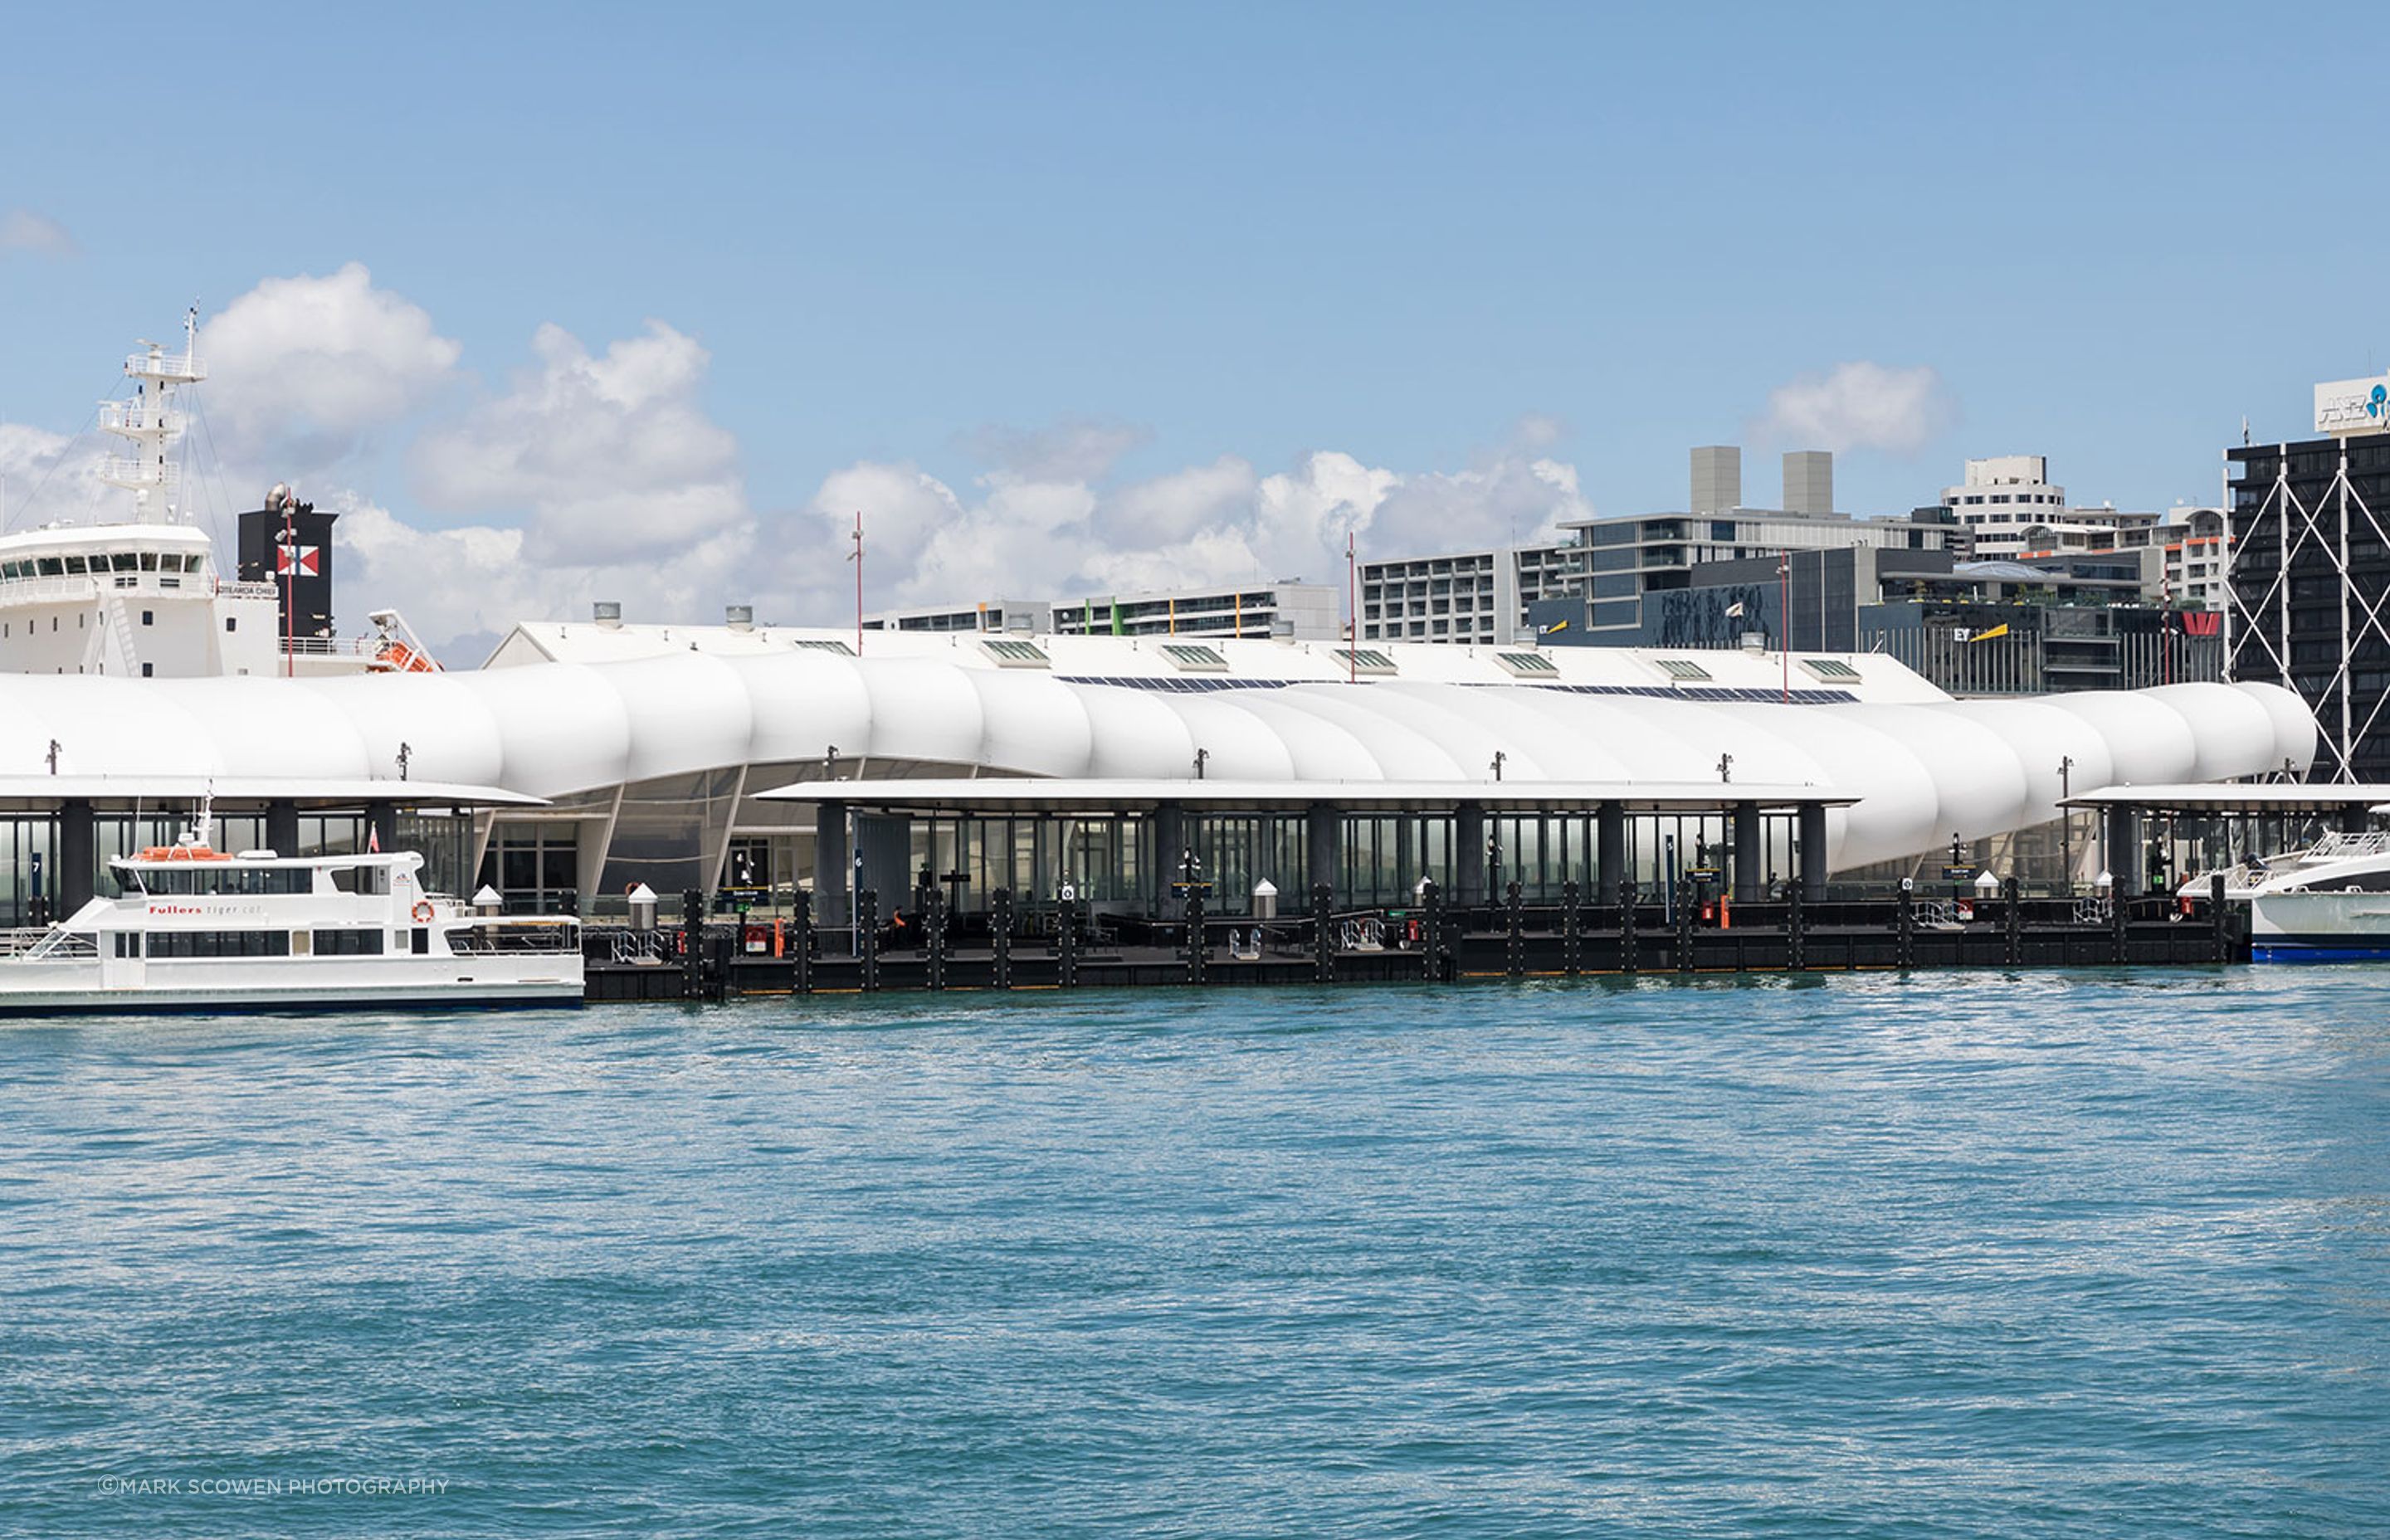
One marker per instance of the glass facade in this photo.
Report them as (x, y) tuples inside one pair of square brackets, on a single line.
[(1109, 861), (30, 843), (2291, 634), (28, 866)]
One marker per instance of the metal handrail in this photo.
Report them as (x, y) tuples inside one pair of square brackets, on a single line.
[(334, 646), (75, 589), (48, 941), (637, 946), (2342, 847), (484, 941), (163, 476), (147, 365), (1365, 934)]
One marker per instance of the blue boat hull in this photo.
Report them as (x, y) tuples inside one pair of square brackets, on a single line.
[(2319, 949)]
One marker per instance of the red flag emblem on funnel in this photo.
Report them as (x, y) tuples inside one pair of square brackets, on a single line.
[(307, 562)]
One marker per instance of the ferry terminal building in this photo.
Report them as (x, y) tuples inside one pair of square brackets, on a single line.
[(585, 759)]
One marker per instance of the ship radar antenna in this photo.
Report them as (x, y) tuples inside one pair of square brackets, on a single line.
[(151, 424)]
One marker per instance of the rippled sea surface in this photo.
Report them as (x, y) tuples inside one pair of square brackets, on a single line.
[(1949, 1255)]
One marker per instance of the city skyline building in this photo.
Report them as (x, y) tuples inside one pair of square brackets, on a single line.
[(2309, 565)]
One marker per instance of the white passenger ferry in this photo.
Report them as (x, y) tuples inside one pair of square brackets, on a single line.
[(193, 929)]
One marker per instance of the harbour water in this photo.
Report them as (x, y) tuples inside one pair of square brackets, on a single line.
[(1949, 1254)]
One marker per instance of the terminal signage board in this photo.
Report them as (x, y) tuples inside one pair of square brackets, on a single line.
[(2346, 406)]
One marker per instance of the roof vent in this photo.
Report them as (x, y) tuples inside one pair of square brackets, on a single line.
[(1682, 671), (1189, 659), (1364, 661), (1527, 665), (607, 613), (738, 617), (1014, 654)]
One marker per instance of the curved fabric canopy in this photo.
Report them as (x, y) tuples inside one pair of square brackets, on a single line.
[(1922, 771)]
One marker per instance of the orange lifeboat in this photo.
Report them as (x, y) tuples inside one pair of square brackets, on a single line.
[(183, 852), (399, 658)]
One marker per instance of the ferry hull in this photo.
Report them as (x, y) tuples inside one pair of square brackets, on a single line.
[(153, 1000)]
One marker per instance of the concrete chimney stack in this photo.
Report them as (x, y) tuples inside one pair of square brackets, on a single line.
[(1809, 482), (1717, 478)]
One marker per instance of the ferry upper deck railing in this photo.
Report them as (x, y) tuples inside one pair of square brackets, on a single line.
[(45, 944), (511, 937)]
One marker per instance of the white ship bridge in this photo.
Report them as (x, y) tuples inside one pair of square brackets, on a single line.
[(650, 749)]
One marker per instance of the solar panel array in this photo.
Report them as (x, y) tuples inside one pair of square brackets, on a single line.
[(1715, 692), (1656, 692), (1183, 685)]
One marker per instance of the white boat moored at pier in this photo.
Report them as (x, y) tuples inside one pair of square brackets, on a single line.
[(194, 929)]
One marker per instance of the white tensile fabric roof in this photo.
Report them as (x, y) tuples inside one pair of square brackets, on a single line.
[(1923, 769)]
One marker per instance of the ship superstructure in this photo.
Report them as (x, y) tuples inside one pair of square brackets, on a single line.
[(142, 598), (146, 598)]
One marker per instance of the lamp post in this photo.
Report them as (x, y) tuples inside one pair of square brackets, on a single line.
[(1352, 611), (856, 556), (2065, 822), (1784, 619)]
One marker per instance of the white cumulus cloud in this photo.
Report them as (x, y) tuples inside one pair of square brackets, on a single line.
[(607, 457), (1859, 405), (301, 370), (596, 473), (1014, 534), (25, 230), (462, 588)]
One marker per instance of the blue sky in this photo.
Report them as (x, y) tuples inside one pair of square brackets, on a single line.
[(901, 234)]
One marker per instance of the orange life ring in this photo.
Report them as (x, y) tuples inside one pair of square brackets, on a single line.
[(422, 911)]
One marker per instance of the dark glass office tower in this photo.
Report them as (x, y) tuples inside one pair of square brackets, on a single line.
[(2325, 632)]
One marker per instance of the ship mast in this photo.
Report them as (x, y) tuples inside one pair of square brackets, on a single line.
[(152, 424)]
